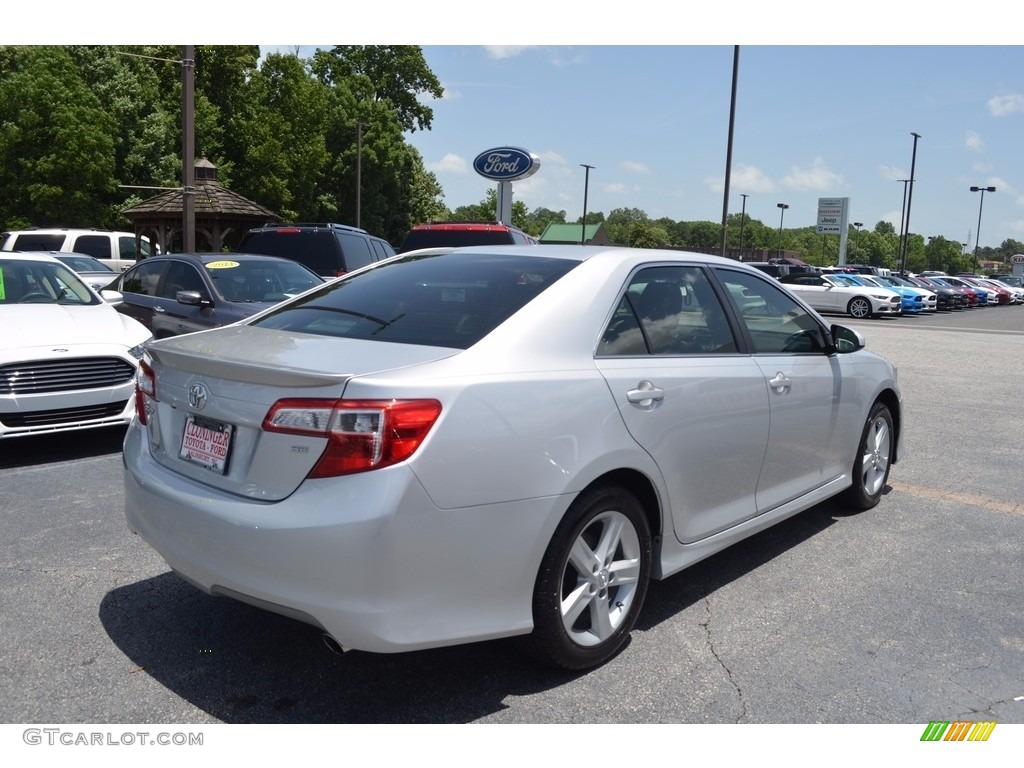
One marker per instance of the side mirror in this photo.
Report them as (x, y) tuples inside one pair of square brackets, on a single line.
[(112, 297), (192, 298), (845, 340)]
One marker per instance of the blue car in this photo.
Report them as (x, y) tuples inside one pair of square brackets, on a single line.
[(911, 301)]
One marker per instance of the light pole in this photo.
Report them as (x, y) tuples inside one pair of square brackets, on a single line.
[(728, 151), (586, 185), (359, 175), (856, 240), (782, 212), (743, 218), (903, 218), (188, 149), (977, 236), (910, 197)]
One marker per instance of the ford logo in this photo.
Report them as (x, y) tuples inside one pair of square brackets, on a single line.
[(197, 395), (506, 164)]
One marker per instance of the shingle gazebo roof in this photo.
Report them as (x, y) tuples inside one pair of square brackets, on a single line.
[(221, 215)]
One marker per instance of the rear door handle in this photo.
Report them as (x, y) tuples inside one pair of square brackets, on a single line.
[(645, 395), (780, 382)]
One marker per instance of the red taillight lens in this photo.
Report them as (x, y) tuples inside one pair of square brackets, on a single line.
[(145, 386), (362, 434)]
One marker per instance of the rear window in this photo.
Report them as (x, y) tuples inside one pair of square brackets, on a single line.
[(317, 249), (443, 300), (436, 238), (33, 242)]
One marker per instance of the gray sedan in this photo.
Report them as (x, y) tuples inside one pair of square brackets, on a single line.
[(185, 292), (499, 441)]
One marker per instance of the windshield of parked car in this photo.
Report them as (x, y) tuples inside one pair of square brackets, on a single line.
[(446, 300), (260, 281), (41, 282)]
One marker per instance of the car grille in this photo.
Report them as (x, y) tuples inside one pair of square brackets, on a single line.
[(42, 376), (63, 415)]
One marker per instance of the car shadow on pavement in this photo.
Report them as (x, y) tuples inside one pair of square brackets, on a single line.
[(240, 664), (63, 446)]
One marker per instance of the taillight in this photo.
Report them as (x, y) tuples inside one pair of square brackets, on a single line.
[(361, 434), (145, 386)]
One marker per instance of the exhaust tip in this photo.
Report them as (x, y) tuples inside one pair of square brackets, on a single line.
[(333, 645)]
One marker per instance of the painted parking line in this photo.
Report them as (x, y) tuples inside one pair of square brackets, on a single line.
[(972, 499)]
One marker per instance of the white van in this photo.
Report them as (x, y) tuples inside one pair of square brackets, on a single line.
[(116, 249)]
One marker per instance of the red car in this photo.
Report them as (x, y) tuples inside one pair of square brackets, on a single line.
[(1003, 296), (936, 280)]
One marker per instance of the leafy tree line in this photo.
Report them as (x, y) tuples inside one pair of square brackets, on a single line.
[(78, 124), (81, 125), (878, 247)]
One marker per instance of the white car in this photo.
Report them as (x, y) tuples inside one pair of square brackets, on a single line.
[(67, 358), (493, 441), (1016, 292), (831, 293)]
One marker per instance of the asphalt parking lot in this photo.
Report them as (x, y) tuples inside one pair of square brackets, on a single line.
[(908, 613)]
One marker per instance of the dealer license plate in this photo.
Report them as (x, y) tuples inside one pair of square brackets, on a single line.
[(206, 443)]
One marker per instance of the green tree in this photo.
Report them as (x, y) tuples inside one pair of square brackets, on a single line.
[(282, 133), (393, 74), (57, 151), (538, 219)]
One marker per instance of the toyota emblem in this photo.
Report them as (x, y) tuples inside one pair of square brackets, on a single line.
[(197, 395)]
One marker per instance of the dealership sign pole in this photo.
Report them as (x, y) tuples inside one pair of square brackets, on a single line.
[(505, 165), (833, 219)]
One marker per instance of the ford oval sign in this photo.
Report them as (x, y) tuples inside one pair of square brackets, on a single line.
[(506, 164)]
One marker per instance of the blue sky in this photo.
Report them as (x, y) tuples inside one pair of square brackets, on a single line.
[(641, 91), (811, 122)]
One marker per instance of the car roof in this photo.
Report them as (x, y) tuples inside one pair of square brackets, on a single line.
[(30, 256), (577, 252), (207, 258)]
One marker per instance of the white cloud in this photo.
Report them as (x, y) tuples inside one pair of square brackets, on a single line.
[(751, 179), (892, 173), (745, 178), (1006, 104), (506, 51), (551, 158), (450, 163), (618, 188), (974, 142), (629, 165), (817, 177)]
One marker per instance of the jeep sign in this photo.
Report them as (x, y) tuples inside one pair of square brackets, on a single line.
[(506, 164)]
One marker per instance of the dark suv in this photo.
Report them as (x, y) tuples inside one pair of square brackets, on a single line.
[(330, 250), (438, 234)]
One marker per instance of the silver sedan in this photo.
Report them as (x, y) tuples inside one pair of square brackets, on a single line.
[(469, 444)]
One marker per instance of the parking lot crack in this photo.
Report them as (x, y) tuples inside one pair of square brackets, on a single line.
[(709, 635)]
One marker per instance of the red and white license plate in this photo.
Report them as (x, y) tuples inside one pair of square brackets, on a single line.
[(206, 443)]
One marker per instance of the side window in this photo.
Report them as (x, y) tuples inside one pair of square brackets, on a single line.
[(142, 279), (97, 246), (356, 250), (126, 246), (668, 311), (182, 277), (775, 321)]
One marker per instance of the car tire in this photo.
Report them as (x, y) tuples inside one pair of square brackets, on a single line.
[(592, 580), (874, 457), (859, 308)]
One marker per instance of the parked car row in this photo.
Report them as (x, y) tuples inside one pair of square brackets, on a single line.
[(863, 295)]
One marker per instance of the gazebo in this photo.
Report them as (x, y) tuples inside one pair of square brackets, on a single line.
[(222, 216)]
